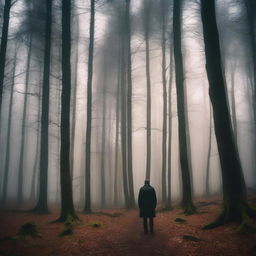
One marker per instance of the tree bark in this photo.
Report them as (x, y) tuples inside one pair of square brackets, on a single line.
[(235, 207), (74, 107), (103, 140), (87, 207), (207, 181), (129, 106), (164, 133), (42, 206), (147, 10), (3, 48), (67, 206), (169, 154), (187, 202), (23, 126), (8, 139)]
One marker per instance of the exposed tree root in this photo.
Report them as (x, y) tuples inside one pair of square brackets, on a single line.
[(242, 215)]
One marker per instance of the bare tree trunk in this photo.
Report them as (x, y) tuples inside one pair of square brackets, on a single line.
[(164, 134), (147, 10), (169, 154), (23, 127), (117, 132), (207, 181), (73, 130), (42, 206), (8, 139), (3, 48), (129, 106), (67, 206), (87, 207), (187, 201), (235, 206), (103, 141), (35, 166), (123, 89)]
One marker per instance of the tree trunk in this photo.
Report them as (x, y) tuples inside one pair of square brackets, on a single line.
[(129, 106), (103, 141), (117, 131), (87, 207), (147, 10), (42, 206), (35, 166), (23, 126), (67, 206), (3, 48), (207, 181), (123, 89), (73, 131), (187, 202), (169, 154), (164, 134), (235, 207), (8, 139)]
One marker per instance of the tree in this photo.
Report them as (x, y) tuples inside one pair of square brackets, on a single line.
[(207, 181), (187, 202), (23, 125), (235, 206), (103, 137), (42, 206), (164, 133), (67, 206), (87, 207), (129, 105), (8, 142), (147, 10), (169, 154), (3, 48)]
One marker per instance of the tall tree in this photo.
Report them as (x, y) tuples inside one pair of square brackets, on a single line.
[(250, 7), (8, 139), (42, 206), (123, 89), (67, 206), (169, 154), (3, 48), (164, 132), (87, 207), (187, 201), (147, 10), (103, 137), (129, 104), (23, 125), (74, 107), (235, 206), (117, 126), (207, 181)]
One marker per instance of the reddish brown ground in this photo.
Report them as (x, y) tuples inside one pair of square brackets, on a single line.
[(124, 236)]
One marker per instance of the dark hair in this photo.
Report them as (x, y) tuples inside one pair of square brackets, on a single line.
[(147, 182)]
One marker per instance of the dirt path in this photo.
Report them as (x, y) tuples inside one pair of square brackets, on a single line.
[(123, 236)]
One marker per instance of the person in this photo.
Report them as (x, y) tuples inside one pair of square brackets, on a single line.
[(147, 203)]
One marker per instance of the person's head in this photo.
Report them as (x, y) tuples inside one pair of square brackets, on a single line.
[(147, 182)]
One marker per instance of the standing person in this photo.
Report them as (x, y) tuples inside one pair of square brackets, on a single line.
[(147, 204)]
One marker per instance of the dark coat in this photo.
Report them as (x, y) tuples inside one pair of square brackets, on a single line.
[(147, 201)]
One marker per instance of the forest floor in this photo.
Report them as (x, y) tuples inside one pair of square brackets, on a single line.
[(119, 232)]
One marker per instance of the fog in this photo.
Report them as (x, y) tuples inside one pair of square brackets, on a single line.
[(26, 33)]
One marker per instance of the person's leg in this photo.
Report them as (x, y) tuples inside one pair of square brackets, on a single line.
[(145, 224), (151, 224)]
